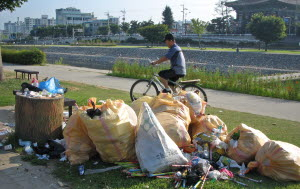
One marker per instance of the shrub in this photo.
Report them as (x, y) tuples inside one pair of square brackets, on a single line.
[(26, 57), (236, 81)]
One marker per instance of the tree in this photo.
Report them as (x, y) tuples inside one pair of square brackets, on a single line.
[(8, 5), (267, 28), (103, 30), (114, 28), (125, 27), (146, 23), (198, 27), (134, 27), (154, 33), (168, 17)]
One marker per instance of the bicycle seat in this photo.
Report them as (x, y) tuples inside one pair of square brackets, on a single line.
[(190, 81)]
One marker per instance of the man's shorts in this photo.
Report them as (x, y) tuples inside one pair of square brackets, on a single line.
[(170, 75)]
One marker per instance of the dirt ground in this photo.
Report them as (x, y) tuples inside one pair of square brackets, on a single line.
[(17, 174)]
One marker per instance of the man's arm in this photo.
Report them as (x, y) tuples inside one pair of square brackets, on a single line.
[(162, 59)]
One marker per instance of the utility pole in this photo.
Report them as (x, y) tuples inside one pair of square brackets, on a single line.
[(185, 21), (124, 15), (183, 13), (107, 14)]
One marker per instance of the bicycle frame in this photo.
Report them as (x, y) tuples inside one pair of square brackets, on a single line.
[(157, 81)]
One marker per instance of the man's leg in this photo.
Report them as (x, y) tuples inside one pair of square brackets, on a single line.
[(164, 82)]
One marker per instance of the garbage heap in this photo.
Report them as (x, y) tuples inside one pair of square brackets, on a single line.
[(172, 137)]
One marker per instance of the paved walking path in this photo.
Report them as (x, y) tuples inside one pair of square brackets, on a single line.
[(283, 109)]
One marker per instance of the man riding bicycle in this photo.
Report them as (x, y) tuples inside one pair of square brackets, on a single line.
[(178, 67)]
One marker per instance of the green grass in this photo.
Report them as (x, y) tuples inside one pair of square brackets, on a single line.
[(241, 82), (276, 129)]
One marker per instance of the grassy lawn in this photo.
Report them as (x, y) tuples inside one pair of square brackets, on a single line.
[(276, 129), (186, 48)]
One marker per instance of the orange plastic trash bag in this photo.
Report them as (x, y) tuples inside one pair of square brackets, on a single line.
[(244, 142), (278, 160), (209, 124), (113, 133), (79, 146), (175, 128), (137, 104), (164, 102)]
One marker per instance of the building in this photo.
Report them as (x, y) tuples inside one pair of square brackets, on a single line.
[(289, 10), (72, 16), (91, 27), (179, 28)]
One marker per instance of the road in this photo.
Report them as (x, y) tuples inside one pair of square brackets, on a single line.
[(278, 108)]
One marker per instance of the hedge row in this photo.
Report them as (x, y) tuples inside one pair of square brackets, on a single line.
[(26, 57)]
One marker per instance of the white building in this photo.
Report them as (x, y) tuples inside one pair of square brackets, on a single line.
[(91, 27), (72, 16)]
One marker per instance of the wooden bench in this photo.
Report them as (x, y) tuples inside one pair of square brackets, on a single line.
[(70, 103), (28, 72)]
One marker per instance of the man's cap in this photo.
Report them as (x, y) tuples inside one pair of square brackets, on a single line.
[(170, 37)]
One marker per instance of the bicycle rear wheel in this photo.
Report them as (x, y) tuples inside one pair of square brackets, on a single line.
[(143, 87), (196, 89)]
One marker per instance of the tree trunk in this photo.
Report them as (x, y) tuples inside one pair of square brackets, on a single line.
[(199, 42), (39, 119), (266, 46), (1, 68)]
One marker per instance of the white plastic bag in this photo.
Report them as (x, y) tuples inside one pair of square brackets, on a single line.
[(155, 150), (195, 101)]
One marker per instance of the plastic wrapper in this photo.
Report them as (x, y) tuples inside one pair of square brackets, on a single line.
[(52, 85), (200, 165), (155, 150), (210, 124), (278, 160), (90, 105), (244, 142), (196, 109), (164, 102), (114, 132), (175, 128), (79, 146)]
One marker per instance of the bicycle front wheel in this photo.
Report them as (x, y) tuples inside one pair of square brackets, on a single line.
[(196, 89), (143, 87)]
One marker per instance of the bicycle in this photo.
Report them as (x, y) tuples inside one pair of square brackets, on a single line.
[(148, 87)]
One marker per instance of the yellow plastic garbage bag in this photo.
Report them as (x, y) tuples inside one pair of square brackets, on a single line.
[(164, 102), (79, 146), (175, 128), (209, 124), (278, 160), (244, 142), (113, 133), (137, 104)]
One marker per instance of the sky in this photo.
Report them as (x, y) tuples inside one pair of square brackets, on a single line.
[(135, 9)]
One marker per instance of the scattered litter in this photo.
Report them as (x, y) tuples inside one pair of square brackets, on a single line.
[(61, 184), (64, 158), (24, 143), (95, 163), (8, 147), (44, 156), (28, 150), (10, 124), (81, 170), (94, 171)]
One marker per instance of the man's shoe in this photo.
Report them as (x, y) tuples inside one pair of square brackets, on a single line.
[(167, 91)]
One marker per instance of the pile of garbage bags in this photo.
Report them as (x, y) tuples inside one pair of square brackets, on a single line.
[(172, 137)]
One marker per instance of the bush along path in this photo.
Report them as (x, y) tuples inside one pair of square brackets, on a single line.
[(241, 82)]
